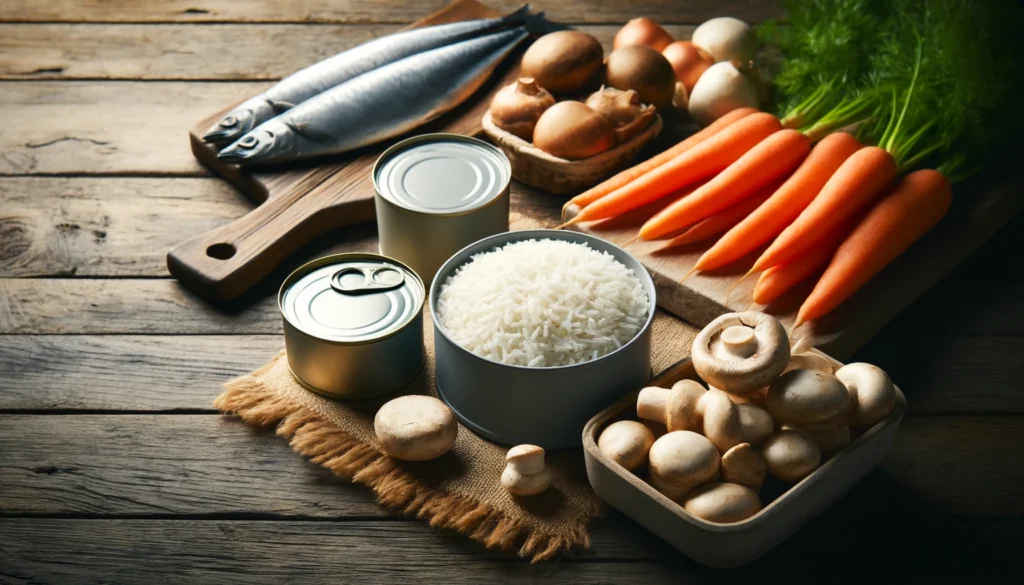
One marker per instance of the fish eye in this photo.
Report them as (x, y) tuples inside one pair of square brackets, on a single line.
[(229, 121), (248, 141)]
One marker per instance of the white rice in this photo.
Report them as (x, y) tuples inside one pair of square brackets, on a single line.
[(542, 304)]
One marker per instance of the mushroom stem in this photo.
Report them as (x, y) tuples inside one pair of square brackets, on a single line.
[(651, 404), (739, 340)]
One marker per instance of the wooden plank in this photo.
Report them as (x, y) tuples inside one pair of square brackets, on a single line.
[(192, 464), (53, 127), (353, 11), (169, 51), (981, 208), (172, 372)]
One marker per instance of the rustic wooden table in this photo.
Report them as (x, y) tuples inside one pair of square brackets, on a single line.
[(115, 468)]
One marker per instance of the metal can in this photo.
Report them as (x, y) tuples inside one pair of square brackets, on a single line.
[(436, 194), (353, 324)]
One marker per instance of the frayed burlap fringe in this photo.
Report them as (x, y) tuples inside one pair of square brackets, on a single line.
[(324, 444)]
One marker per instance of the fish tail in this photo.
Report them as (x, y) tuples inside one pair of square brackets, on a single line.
[(519, 16), (538, 25)]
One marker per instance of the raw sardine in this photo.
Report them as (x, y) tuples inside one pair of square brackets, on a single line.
[(377, 105), (319, 77)]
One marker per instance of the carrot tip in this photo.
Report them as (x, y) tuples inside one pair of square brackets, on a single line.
[(631, 240), (728, 293), (688, 274)]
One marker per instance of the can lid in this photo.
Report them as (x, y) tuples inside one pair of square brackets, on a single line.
[(352, 299), (442, 174)]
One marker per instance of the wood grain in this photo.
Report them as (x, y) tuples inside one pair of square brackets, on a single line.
[(95, 464), (52, 127), (175, 51), (353, 11), (982, 207)]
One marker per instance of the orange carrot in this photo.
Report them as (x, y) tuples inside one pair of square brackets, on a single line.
[(773, 158), (704, 160), (600, 190), (723, 220), (784, 205), (778, 279), (914, 205), (860, 180)]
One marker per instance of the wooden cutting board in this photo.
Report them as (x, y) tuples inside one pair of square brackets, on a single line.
[(980, 208), (301, 202)]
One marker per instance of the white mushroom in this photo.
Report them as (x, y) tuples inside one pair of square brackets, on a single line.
[(627, 443), (755, 397), (683, 460), (756, 424), (741, 352), (722, 502), (810, 361), (872, 394), (525, 473), (829, 440), (807, 398), (688, 406), (415, 428), (790, 456), (721, 420), (743, 465)]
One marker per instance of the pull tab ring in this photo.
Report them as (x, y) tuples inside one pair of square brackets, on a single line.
[(375, 278)]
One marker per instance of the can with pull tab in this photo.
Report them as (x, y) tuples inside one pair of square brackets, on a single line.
[(353, 325)]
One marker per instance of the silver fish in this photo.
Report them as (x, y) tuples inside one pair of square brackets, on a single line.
[(377, 105), (319, 77)]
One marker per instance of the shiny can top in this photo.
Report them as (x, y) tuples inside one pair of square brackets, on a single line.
[(441, 174), (351, 298)]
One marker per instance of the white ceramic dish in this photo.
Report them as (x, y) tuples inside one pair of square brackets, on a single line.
[(736, 544)]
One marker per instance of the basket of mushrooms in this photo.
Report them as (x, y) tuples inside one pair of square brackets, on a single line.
[(731, 451), (573, 118)]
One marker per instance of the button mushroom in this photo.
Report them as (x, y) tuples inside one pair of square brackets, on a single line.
[(627, 443), (415, 428), (872, 394), (683, 460), (810, 361), (741, 352), (829, 439), (790, 456), (688, 406), (756, 424), (525, 473), (807, 398), (722, 502), (743, 465), (721, 420)]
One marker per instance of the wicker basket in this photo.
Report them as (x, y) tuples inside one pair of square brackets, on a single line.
[(539, 169)]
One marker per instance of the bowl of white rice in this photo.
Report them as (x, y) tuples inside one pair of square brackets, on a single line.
[(536, 331)]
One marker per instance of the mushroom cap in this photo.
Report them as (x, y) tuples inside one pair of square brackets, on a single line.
[(807, 398), (790, 456), (872, 393), (755, 397), (722, 502), (519, 484), (526, 459), (810, 361), (669, 491), (721, 420), (683, 459), (651, 403), (415, 428), (756, 424), (743, 465), (626, 442), (681, 410), (740, 352), (830, 439)]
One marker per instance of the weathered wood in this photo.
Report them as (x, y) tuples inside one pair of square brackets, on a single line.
[(394, 11), (174, 372), (983, 206), (193, 464), (53, 127), (64, 306), (169, 51)]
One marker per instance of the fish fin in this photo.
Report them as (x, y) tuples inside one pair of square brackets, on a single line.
[(306, 129), (517, 17), (280, 106), (538, 25)]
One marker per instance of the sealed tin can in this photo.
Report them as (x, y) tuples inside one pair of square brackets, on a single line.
[(436, 194), (353, 324)]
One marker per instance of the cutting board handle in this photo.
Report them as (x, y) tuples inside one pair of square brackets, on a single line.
[(223, 263)]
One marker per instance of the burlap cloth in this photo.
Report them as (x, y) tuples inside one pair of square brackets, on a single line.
[(460, 491)]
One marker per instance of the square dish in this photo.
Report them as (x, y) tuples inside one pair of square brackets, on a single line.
[(739, 543)]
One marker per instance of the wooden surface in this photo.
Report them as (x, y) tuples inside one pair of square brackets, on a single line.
[(980, 209), (114, 468), (303, 201)]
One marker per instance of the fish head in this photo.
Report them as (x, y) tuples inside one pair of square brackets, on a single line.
[(267, 141), (236, 123)]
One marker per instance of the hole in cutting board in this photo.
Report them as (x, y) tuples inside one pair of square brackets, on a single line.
[(220, 251)]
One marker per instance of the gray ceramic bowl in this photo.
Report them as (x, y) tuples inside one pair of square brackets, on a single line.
[(548, 407)]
